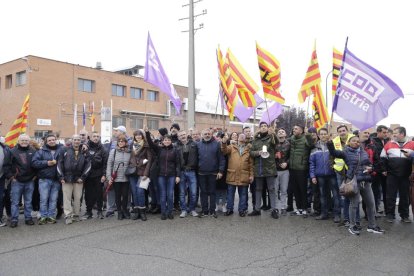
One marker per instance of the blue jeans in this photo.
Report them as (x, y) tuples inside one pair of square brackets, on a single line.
[(2, 181), (345, 202), (242, 190), (166, 191), (138, 194), (208, 189), (17, 190), (188, 180), (49, 192), (326, 184)]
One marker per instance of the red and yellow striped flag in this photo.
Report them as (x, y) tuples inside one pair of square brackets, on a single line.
[(337, 63), (19, 125), (246, 87), (227, 84), (269, 68), (321, 116), (312, 78)]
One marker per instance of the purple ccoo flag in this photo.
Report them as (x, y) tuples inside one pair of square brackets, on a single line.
[(154, 74), (364, 94)]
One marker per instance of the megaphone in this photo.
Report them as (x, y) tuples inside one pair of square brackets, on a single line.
[(264, 153)]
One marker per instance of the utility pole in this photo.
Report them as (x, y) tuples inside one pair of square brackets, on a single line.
[(191, 65)]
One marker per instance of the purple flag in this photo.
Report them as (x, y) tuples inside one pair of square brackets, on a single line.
[(154, 74), (364, 94), (84, 115), (271, 113)]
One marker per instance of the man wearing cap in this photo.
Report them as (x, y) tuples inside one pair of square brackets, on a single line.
[(300, 147), (263, 151)]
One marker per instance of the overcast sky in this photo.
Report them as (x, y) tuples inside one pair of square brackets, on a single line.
[(115, 33)]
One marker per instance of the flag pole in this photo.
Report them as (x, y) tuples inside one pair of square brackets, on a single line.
[(215, 117), (307, 114)]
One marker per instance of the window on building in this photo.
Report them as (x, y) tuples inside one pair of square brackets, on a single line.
[(152, 124), (39, 134), (85, 85), (152, 96), (136, 123), (20, 78), (136, 93), (118, 90), (118, 121), (9, 81)]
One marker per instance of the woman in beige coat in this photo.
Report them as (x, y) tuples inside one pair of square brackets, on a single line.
[(239, 172)]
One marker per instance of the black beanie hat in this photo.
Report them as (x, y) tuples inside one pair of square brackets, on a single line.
[(175, 125), (163, 131)]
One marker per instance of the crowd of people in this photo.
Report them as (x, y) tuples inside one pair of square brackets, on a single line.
[(197, 174)]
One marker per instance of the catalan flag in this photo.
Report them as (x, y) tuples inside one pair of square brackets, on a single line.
[(337, 63), (227, 84), (312, 78), (19, 125), (269, 68), (246, 87), (92, 110), (321, 116)]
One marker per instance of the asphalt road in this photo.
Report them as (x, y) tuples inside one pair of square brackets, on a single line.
[(205, 246)]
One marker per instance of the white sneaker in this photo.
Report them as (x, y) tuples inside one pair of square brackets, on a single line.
[(217, 207), (194, 213), (35, 214), (68, 220), (224, 208), (183, 214)]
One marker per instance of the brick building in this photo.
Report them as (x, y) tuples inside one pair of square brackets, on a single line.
[(55, 88)]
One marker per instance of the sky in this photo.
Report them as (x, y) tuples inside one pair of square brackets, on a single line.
[(115, 33)]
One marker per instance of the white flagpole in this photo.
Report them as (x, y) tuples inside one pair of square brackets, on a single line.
[(75, 118)]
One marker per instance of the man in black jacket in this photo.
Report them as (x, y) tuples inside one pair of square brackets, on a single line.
[(19, 170), (188, 179), (93, 185), (73, 168), (4, 152), (45, 162)]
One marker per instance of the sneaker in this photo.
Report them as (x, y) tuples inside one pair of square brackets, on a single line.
[(29, 222), (76, 219), (100, 215), (346, 223), (376, 230), (194, 214), (229, 213), (183, 214), (213, 214), (358, 226), (51, 220), (254, 213), (68, 220), (406, 220), (87, 216), (353, 230), (204, 214), (337, 219), (163, 216), (224, 209), (2, 223), (321, 217), (170, 216), (13, 224), (217, 208), (275, 214), (109, 214), (242, 213), (390, 218), (283, 212), (305, 214), (296, 213), (42, 221), (35, 214)]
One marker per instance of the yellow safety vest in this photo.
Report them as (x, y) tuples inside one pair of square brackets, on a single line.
[(339, 163)]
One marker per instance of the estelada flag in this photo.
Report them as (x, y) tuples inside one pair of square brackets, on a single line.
[(19, 125)]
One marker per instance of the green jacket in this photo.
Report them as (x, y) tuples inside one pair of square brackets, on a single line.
[(264, 167), (300, 148)]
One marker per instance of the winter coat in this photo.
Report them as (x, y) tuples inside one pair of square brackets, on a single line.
[(264, 167), (40, 159), (168, 159), (4, 155), (320, 161), (118, 160), (192, 161), (19, 164), (210, 158), (282, 155), (396, 163), (137, 160), (378, 145), (300, 148), (239, 166), (352, 157), (70, 168), (99, 158)]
